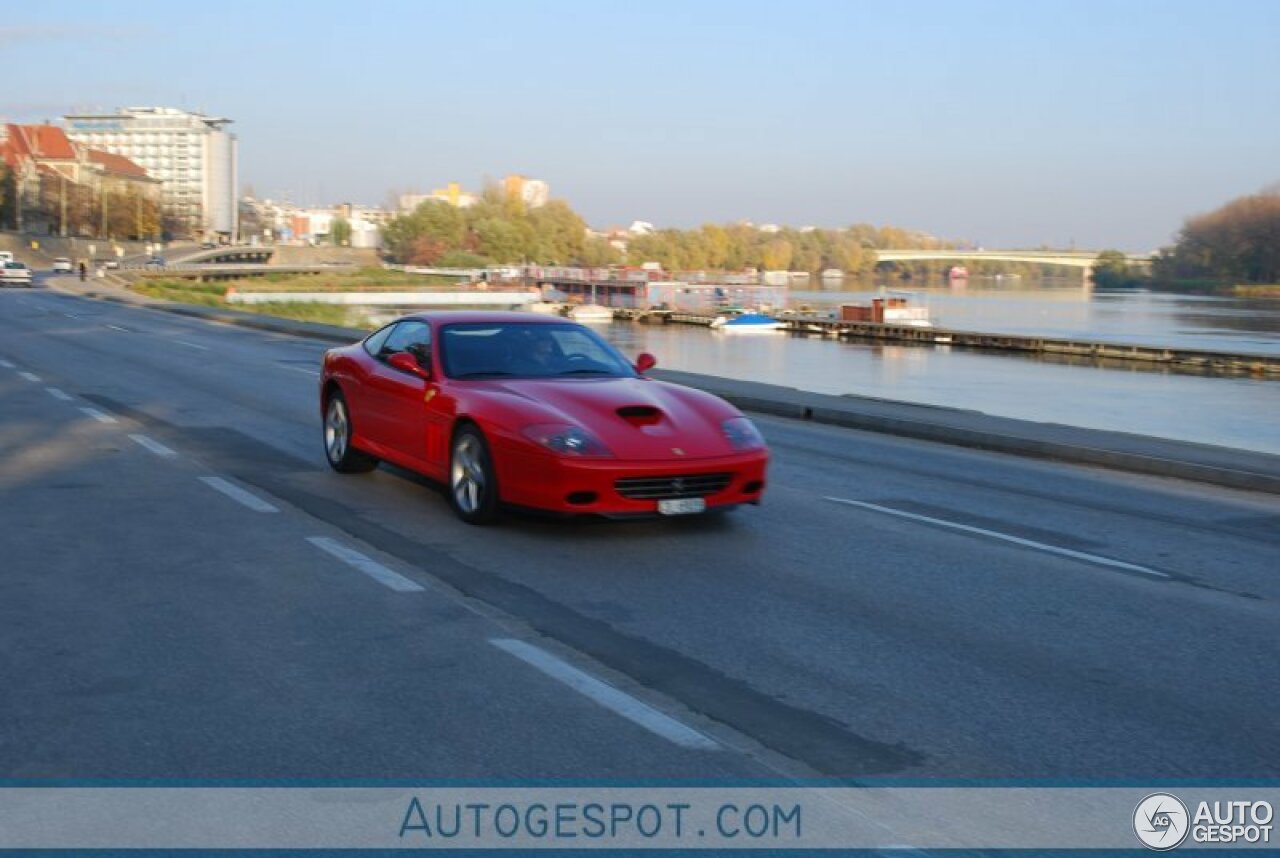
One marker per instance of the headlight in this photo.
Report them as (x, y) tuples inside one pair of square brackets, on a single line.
[(567, 440), (742, 434)]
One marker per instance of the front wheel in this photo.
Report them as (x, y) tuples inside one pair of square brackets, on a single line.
[(343, 458), (473, 485)]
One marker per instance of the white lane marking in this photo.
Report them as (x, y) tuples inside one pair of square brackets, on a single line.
[(29, 376), (1016, 540), (59, 394), (100, 416), (606, 695), (154, 446), (7, 365), (301, 369), (238, 494), (192, 345), (367, 565), (118, 328)]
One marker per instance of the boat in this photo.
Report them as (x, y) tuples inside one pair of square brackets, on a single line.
[(958, 274), (747, 323), (546, 308), (890, 309), (590, 314)]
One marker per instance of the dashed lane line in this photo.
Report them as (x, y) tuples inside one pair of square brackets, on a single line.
[(100, 416), (613, 699), (1006, 537), (154, 446), (237, 494), (367, 565)]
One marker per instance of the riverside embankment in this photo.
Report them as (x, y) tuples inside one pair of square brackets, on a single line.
[(1218, 465)]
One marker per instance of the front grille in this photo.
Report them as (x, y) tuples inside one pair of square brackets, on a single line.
[(671, 487)]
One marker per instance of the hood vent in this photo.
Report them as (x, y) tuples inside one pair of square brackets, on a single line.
[(640, 415)]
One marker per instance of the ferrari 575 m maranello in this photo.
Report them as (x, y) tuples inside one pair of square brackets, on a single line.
[(517, 409)]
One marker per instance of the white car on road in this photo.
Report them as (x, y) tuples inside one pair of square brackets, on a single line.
[(15, 274), (62, 264)]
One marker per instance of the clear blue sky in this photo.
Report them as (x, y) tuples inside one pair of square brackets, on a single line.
[(1008, 123)]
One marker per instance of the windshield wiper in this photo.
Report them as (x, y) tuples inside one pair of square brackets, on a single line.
[(586, 372), (486, 374)]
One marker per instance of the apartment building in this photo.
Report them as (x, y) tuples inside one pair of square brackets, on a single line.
[(191, 153)]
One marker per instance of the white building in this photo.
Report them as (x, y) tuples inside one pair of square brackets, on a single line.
[(191, 153)]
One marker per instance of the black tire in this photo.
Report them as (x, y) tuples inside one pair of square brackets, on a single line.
[(342, 456), (473, 483)]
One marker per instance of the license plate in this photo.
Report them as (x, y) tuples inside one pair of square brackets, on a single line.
[(682, 506)]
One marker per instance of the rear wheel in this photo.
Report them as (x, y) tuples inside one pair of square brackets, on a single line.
[(473, 485), (343, 458)]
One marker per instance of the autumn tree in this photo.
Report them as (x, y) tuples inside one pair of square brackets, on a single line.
[(1238, 242)]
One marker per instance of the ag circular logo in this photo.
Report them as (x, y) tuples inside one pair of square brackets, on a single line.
[(1161, 822)]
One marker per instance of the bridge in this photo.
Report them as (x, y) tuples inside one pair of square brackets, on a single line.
[(1083, 259)]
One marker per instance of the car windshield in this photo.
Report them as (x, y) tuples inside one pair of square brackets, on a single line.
[(528, 350)]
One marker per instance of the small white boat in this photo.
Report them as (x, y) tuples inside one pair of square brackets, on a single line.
[(747, 323), (589, 314), (546, 308)]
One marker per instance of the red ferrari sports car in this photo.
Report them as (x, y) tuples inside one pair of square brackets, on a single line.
[(533, 411)]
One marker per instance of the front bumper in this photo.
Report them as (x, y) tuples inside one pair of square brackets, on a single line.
[(590, 486)]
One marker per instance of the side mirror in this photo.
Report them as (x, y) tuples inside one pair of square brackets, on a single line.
[(645, 362), (406, 362)]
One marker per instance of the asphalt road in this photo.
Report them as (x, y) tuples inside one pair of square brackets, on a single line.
[(186, 590)]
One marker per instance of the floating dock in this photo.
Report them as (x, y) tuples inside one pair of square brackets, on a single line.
[(1197, 360)]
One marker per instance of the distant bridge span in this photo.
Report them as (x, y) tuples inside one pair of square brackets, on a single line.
[(1082, 259)]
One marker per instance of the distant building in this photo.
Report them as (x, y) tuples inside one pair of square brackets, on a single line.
[(191, 153), (453, 194), (534, 193), (640, 227), (286, 223), (67, 187), (410, 202)]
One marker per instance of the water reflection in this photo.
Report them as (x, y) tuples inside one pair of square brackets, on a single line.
[(1068, 309), (1230, 411)]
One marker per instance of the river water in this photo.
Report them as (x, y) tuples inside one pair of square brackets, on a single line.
[(1128, 397)]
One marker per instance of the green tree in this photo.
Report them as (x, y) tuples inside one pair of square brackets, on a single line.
[(8, 196), (776, 255), (340, 232), (1111, 270), (499, 239), (426, 233), (1238, 242)]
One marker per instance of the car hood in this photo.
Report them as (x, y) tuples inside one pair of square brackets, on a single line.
[(636, 418)]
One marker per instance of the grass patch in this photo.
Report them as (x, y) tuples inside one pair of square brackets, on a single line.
[(359, 280), (211, 295), (1264, 290)]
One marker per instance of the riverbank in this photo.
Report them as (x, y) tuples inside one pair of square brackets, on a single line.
[(364, 279), (1215, 288), (1140, 454)]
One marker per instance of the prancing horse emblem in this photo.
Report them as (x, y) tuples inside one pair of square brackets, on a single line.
[(677, 485), (677, 451)]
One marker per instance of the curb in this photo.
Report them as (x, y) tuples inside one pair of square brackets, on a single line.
[(800, 405)]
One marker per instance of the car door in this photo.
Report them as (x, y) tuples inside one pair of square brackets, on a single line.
[(395, 399)]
